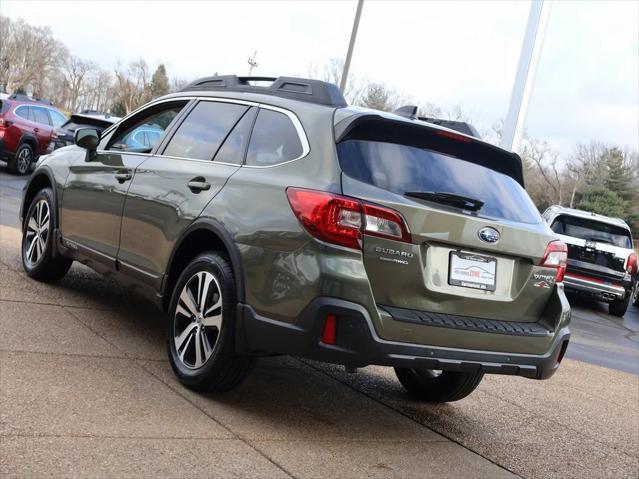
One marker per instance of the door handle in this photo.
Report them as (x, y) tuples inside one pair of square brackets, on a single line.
[(122, 177), (35, 130), (198, 184)]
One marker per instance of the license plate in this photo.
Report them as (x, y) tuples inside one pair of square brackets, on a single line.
[(472, 271)]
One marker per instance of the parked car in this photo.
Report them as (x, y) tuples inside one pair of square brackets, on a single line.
[(279, 220), (26, 131), (601, 260), (87, 118)]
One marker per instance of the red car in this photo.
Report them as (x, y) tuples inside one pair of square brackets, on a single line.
[(26, 131)]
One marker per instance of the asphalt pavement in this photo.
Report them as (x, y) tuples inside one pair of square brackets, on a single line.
[(86, 391)]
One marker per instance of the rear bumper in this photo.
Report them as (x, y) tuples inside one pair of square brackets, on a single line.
[(359, 345), (603, 290)]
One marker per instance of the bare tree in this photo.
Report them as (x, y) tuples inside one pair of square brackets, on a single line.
[(76, 71), (546, 163)]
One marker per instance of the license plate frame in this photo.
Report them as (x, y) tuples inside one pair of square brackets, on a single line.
[(474, 271)]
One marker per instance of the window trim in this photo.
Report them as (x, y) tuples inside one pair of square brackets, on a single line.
[(301, 133), (306, 148)]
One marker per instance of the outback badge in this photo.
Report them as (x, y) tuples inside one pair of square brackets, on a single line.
[(488, 235)]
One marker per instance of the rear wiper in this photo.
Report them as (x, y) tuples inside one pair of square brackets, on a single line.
[(452, 199)]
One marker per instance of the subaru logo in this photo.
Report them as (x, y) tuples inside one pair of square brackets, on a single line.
[(488, 235)]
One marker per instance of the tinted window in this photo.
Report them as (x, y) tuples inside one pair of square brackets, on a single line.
[(146, 132), (41, 115), (401, 169), (57, 118), (232, 151), (23, 112), (591, 230), (274, 140), (204, 130)]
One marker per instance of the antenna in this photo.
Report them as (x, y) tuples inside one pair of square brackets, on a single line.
[(252, 63)]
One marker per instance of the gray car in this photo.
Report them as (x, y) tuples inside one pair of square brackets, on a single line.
[(279, 220)]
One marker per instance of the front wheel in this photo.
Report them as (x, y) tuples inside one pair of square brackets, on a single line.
[(438, 386), (201, 327), (38, 257)]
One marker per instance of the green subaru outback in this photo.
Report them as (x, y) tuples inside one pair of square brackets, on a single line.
[(266, 216)]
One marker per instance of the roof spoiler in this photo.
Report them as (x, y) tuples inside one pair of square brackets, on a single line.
[(410, 111)]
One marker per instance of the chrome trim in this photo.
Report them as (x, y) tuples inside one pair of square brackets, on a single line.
[(136, 153), (135, 268), (144, 107), (212, 162), (588, 286), (306, 148)]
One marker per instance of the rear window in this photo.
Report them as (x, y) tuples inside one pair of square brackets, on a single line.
[(591, 230), (401, 168)]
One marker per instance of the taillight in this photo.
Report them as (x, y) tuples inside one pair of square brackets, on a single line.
[(631, 264), (556, 256), (342, 220)]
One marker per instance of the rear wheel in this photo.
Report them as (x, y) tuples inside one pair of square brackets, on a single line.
[(618, 307), (201, 327), (38, 258), (21, 161), (438, 386)]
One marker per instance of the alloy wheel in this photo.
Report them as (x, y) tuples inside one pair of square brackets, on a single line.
[(635, 292), (198, 319), (37, 232), (24, 159)]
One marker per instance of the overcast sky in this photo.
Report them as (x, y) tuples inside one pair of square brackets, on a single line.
[(446, 53)]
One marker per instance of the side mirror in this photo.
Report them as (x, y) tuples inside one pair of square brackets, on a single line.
[(87, 138)]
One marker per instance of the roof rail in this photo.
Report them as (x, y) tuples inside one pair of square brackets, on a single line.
[(410, 111), (312, 91), (21, 97)]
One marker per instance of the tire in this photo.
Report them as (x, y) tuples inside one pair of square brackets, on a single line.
[(22, 160), (635, 293), (429, 386), (216, 367), (618, 307), (38, 256)]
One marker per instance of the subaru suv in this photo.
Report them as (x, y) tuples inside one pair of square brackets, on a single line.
[(27, 130), (601, 261), (279, 220)]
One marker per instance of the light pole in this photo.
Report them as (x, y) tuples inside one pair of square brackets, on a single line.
[(525, 77), (351, 44)]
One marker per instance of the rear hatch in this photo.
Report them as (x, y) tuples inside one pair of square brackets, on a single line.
[(476, 238), (595, 248)]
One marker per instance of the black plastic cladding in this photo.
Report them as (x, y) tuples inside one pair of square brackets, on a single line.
[(312, 91)]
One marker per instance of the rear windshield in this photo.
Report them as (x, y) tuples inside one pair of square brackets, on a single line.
[(401, 169), (591, 230)]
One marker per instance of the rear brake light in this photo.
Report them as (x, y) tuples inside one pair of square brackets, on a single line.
[(453, 136), (556, 256), (631, 264), (342, 220)]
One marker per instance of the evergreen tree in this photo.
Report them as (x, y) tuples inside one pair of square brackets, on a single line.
[(603, 201), (619, 176), (159, 85)]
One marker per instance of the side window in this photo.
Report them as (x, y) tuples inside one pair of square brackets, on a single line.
[(274, 140), (41, 115), (31, 114), (141, 133), (234, 147), (23, 112), (203, 131), (57, 118)]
